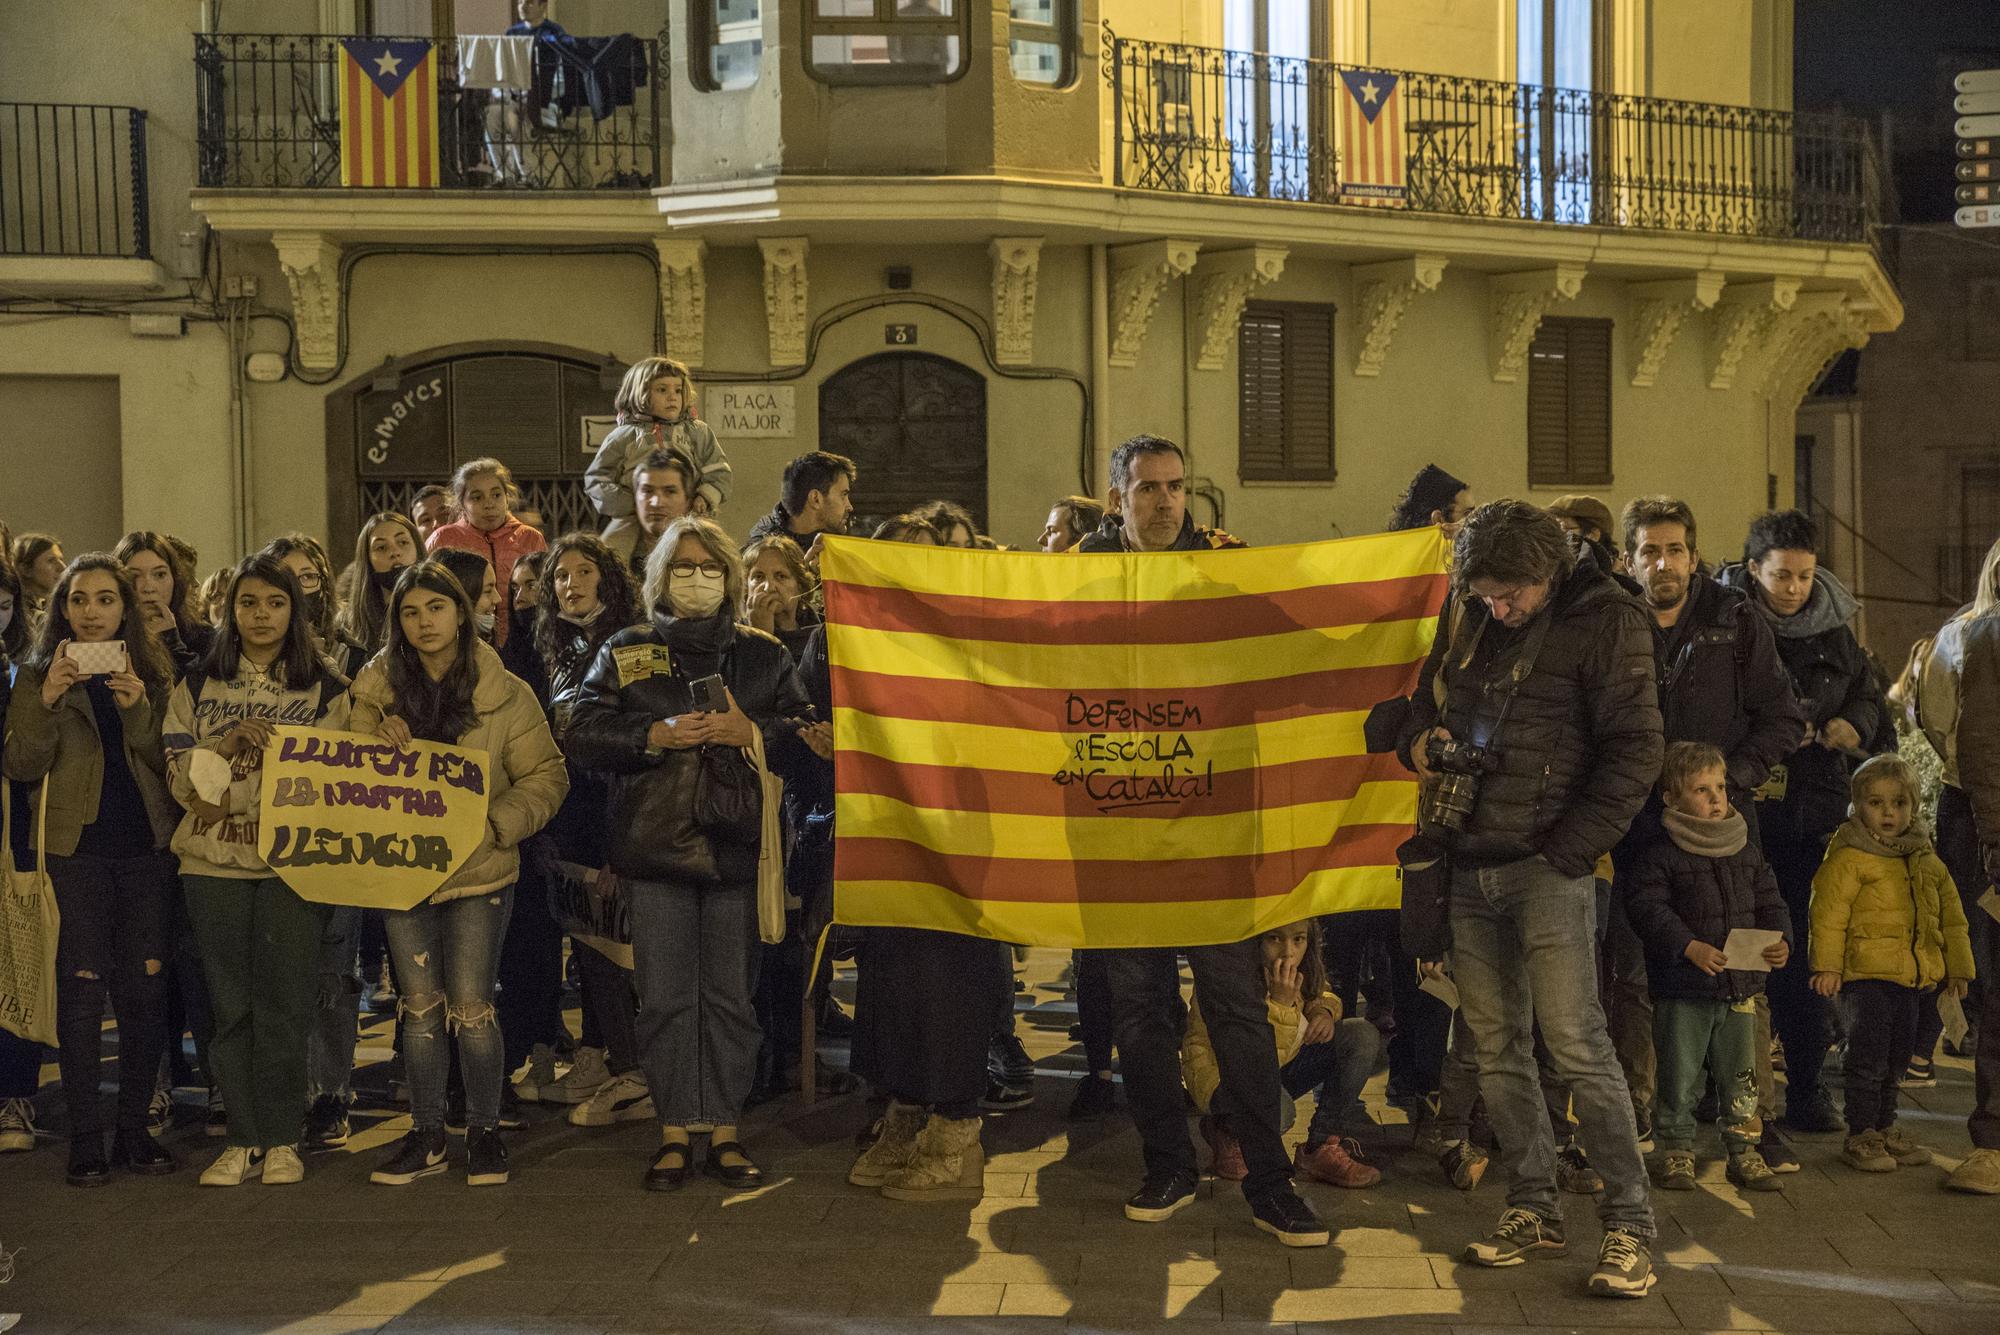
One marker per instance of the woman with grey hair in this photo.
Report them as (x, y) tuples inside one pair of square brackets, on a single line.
[(667, 710)]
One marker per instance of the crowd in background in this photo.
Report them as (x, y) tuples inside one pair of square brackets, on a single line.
[(1628, 758)]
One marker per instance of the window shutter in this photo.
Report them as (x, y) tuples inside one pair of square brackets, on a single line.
[(1285, 392), (1569, 404)]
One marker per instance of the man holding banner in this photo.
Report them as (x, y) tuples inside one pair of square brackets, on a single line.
[(1535, 730)]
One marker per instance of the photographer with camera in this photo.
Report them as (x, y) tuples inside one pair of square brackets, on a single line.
[(1534, 732)]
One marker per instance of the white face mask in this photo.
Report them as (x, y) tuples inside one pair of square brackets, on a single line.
[(484, 620), (696, 594)]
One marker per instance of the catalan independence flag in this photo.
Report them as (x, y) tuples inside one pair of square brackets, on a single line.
[(1372, 166), (1120, 750), (388, 112)]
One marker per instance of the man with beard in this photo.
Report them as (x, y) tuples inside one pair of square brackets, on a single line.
[(1721, 682)]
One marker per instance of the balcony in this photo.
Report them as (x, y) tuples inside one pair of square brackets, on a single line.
[(267, 109), (1203, 121), (73, 181)]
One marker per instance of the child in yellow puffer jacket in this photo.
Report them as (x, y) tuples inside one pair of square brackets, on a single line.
[(1317, 1051), (1887, 932)]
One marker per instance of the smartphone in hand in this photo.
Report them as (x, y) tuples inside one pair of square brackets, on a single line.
[(98, 658), (710, 697)]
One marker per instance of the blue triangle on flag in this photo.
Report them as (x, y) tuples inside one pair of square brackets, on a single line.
[(387, 61), (1370, 89)]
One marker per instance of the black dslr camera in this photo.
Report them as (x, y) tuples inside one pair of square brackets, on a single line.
[(1456, 770)]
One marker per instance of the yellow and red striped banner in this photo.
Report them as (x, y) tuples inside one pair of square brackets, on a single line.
[(1120, 750), (388, 112)]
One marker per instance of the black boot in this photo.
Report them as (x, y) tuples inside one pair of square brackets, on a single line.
[(87, 1165), (137, 1150)]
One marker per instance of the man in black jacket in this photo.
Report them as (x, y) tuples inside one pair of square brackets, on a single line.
[(1721, 682), (1149, 475), (1545, 667)]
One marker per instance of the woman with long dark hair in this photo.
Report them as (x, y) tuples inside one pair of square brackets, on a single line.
[(438, 682), (650, 715), (84, 718), (584, 598), (387, 544), (164, 582), (260, 942)]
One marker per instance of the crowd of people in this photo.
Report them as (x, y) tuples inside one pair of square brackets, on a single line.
[(1675, 837)]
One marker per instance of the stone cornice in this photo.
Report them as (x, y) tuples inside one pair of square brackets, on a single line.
[(1383, 292), (1519, 301), (1138, 273), (1223, 283)]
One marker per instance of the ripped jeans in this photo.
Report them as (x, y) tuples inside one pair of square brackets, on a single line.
[(447, 962), (117, 916)]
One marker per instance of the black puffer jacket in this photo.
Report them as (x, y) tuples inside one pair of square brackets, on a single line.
[(653, 836), (1580, 748), (1674, 897), (1831, 679)]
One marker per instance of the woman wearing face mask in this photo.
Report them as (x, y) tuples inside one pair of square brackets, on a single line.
[(692, 888), (475, 573), (303, 555), (387, 543), (519, 652), (436, 681), (96, 740), (260, 942), (1806, 798), (164, 582)]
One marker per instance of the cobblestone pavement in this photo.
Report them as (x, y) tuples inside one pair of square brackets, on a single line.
[(573, 1245)]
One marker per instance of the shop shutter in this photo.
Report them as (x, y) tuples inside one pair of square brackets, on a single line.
[(1569, 404), (1285, 392)]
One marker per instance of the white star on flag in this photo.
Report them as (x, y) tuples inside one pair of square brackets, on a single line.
[(387, 65), (1370, 91)]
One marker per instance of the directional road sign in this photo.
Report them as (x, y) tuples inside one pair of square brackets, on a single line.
[(1967, 104), (1968, 127), (1978, 215), (1977, 81)]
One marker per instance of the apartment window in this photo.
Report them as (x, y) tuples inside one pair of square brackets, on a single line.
[(886, 41), (1284, 369), (1041, 41), (726, 42), (1569, 404)]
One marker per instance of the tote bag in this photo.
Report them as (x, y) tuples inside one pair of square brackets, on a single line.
[(28, 926), (770, 847)]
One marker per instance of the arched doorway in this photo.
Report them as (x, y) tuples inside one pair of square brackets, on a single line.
[(915, 426), (539, 408)]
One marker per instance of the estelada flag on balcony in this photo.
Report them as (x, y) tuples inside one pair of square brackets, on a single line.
[(1120, 750), (1372, 162), (388, 112)]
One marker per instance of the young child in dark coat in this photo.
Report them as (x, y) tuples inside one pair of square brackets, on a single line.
[(1685, 894)]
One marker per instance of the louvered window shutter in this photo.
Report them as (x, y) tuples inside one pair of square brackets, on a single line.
[(1569, 404), (1285, 392)]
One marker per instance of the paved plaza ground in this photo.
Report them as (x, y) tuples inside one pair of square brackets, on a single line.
[(573, 1245)]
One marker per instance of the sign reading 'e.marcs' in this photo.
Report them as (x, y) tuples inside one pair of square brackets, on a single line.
[(347, 819)]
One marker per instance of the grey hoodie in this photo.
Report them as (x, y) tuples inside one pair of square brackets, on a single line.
[(1827, 606)]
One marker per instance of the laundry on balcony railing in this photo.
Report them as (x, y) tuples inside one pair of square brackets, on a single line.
[(1214, 122), (73, 181), (319, 111)]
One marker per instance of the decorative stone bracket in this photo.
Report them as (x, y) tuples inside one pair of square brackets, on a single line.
[(1017, 264), (312, 270), (1520, 300), (1658, 309), (1138, 272), (684, 297), (1819, 327), (1743, 316), (1222, 286), (1383, 292), (785, 297)]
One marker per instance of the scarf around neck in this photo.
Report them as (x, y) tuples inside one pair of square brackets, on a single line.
[(1720, 838), (1916, 839)]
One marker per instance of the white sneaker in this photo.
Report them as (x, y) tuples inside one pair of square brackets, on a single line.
[(586, 1075), (17, 1125), (536, 1074), (236, 1164), (282, 1166), (620, 1099)]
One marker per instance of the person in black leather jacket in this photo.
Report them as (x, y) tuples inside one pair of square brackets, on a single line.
[(1806, 797), (692, 888)]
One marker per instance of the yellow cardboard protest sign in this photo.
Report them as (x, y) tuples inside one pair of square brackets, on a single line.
[(348, 819)]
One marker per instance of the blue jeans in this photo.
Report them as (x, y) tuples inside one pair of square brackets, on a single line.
[(330, 1043), (1334, 1071), (1524, 940), (447, 961), (694, 959), (1697, 1041)]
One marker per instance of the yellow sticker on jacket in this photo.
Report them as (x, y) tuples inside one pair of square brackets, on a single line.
[(636, 662), (1773, 789)]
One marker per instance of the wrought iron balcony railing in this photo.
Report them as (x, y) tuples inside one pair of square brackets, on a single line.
[(267, 116), (1213, 122), (73, 181)]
